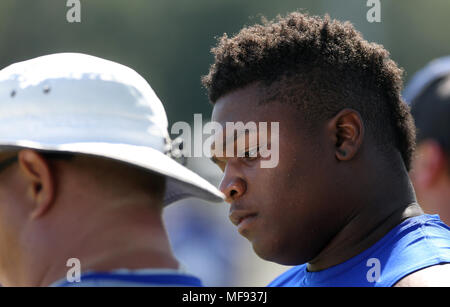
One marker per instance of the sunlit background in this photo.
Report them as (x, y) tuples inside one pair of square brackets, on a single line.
[(168, 42)]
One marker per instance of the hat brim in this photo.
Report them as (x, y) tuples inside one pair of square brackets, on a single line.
[(181, 182)]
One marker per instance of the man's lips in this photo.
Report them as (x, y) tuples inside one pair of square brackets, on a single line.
[(238, 216)]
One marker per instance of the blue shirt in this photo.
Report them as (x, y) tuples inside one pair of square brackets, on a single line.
[(416, 243), (133, 278)]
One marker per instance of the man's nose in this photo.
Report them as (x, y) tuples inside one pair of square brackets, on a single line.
[(233, 188)]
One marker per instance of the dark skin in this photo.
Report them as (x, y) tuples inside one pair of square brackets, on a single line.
[(331, 196)]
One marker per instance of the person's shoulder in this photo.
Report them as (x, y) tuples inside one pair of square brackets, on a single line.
[(424, 232), (431, 251), (290, 278), (433, 276), (425, 220)]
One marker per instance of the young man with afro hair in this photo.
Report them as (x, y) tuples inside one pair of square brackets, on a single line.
[(339, 205)]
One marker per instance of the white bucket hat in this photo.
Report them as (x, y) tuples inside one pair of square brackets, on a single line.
[(78, 103)]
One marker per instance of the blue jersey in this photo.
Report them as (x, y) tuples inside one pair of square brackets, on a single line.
[(133, 278), (416, 243)]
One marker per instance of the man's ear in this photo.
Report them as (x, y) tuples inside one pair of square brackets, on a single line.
[(39, 181), (347, 132)]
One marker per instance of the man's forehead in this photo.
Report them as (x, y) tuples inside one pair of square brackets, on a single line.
[(239, 105), (227, 136), (250, 105)]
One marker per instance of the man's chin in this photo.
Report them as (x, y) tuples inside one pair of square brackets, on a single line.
[(272, 253), (266, 252)]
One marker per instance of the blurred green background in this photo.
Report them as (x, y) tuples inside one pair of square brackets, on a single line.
[(168, 41)]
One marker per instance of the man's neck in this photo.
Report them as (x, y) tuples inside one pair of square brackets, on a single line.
[(376, 218), (127, 241)]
